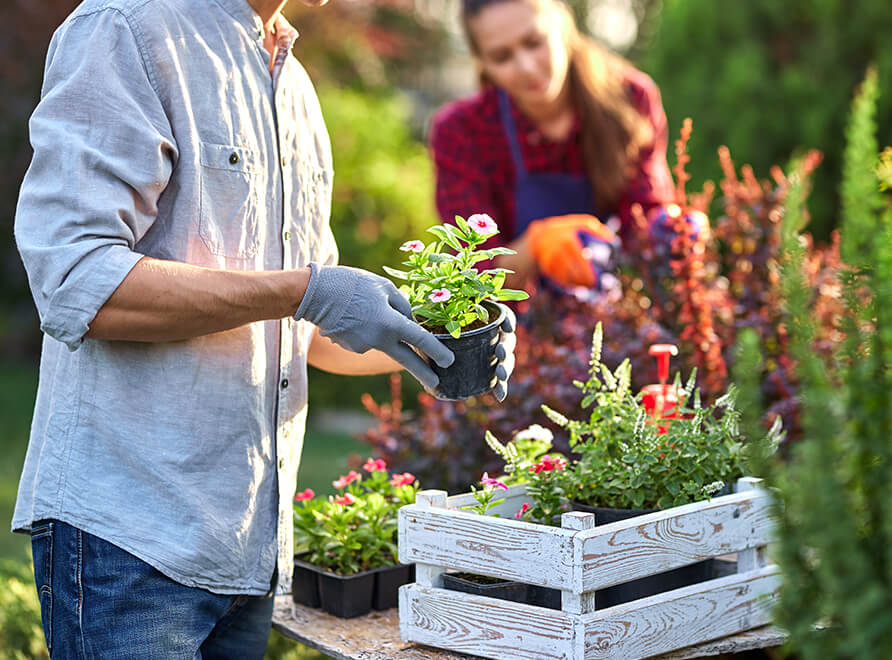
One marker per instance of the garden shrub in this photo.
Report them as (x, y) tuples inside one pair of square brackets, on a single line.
[(835, 526)]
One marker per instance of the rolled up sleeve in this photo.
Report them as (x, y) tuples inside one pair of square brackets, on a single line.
[(103, 155)]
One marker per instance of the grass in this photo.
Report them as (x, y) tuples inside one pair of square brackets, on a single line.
[(325, 457)]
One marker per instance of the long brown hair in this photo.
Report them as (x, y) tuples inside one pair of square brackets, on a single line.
[(613, 131)]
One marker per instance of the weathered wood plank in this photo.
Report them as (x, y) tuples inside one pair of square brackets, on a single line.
[(656, 542), (483, 626), (683, 617), (509, 549), (376, 636)]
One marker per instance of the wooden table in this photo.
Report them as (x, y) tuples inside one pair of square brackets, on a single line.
[(376, 636)]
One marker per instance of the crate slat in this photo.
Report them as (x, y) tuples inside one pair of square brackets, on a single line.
[(656, 542), (504, 630), (683, 617), (507, 549), (479, 626)]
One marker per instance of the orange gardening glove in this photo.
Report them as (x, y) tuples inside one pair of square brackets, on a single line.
[(561, 246)]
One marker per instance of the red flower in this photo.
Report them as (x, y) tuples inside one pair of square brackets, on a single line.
[(308, 494), (522, 510), (346, 500), (547, 464), (404, 479), (375, 465)]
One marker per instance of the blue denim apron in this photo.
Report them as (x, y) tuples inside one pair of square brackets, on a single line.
[(540, 195)]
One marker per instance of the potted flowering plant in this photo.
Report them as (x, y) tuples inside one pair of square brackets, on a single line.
[(347, 555), (458, 303)]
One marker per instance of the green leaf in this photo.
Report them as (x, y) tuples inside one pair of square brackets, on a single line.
[(393, 272), (440, 232), (482, 313), (510, 294), (462, 224), (438, 258), (453, 328)]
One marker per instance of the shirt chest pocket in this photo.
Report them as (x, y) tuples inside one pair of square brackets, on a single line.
[(231, 200)]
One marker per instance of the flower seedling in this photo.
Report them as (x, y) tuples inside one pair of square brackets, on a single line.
[(445, 289)]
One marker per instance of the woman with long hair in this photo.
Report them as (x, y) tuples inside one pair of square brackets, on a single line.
[(561, 141)]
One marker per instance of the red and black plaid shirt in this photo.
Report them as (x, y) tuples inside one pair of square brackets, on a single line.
[(475, 172)]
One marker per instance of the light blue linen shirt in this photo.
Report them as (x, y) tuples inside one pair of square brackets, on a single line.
[(160, 132)]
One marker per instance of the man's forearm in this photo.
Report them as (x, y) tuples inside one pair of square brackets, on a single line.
[(324, 354), (169, 301)]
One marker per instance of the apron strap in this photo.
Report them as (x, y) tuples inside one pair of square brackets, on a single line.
[(511, 133)]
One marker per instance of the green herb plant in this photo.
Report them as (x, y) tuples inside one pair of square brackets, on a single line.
[(628, 461)]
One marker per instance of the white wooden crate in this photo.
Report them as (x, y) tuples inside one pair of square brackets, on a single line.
[(579, 558)]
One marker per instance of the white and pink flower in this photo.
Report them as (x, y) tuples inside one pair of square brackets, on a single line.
[(412, 246), (440, 295), (483, 224)]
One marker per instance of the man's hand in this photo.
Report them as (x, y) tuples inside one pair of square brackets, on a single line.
[(571, 249), (505, 354), (359, 310)]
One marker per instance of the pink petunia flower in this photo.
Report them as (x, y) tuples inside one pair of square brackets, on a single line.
[(404, 479), (486, 480), (412, 246), (440, 295), (522, 510), (308, 494), (347, 479), (483, 224), (547, 464), (375, 465), (346, 500)]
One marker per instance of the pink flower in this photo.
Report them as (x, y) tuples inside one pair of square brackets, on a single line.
[(346, 500), (483, 224), (404, 479), (347, 479), (522, 510), (412, 246), (308, 494), (440, 295), (375, 465), (489, 481), (547, 464)]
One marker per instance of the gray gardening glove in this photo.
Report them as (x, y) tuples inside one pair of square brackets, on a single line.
[(505, 354), (359, 310)]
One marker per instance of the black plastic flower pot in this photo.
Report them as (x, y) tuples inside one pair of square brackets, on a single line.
[(652, 584), (305, 582), (388, 581), (543, 596), (346, 596), (502, 589), (474, 369)]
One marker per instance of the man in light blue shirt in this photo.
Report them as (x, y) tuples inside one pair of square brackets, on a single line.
[(174, 227)]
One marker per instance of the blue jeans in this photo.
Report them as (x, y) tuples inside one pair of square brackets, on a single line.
[(98, 601)]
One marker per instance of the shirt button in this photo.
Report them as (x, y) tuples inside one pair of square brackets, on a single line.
[(284, 161), (281, 463), (284, 383), (287, 235), (233, 158)]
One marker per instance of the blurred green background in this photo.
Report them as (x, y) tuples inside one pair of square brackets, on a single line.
[(765, 78)]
